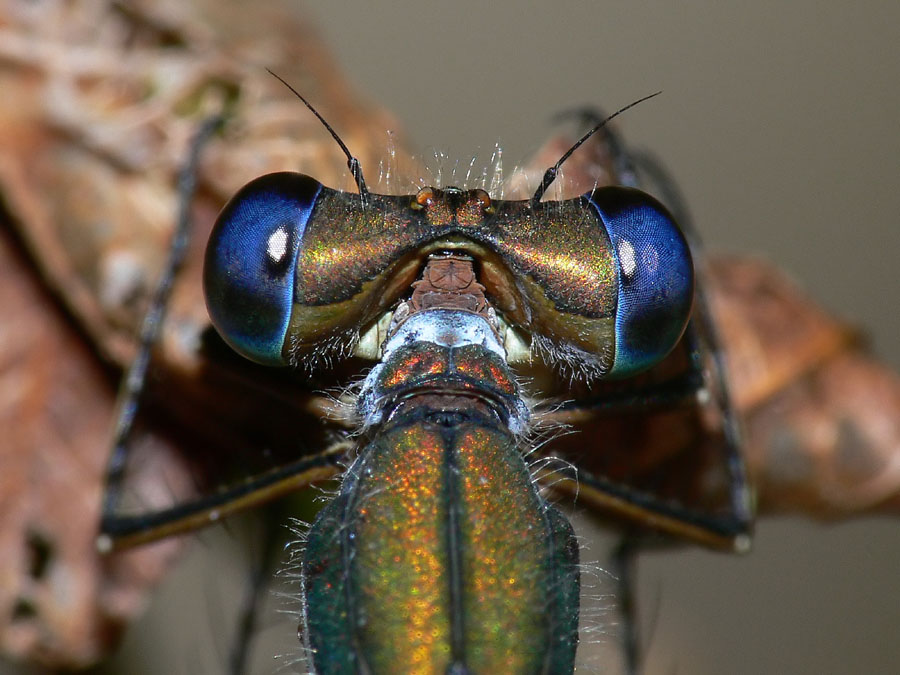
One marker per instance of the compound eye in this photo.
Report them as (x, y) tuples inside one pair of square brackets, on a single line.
[(655, 277), (251, 258)]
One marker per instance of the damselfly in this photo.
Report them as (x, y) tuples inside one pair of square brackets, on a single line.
[(187, 390), (440, 554)]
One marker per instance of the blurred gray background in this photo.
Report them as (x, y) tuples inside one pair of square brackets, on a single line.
[(780, 122)]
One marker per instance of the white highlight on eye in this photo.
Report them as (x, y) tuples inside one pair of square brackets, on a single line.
[(276, 247), (627, 258)]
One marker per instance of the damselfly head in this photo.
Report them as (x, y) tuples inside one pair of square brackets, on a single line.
[(605, 278)]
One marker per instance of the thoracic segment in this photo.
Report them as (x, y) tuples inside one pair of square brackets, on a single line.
[(430, 345)]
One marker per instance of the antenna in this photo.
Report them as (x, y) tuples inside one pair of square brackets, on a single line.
[(551, 173), (352, 162)]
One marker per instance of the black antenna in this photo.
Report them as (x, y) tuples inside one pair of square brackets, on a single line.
[(551, 173), (352, 162)]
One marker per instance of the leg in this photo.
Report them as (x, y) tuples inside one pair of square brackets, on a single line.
[(133, 382), (707, 375), (624, 567)]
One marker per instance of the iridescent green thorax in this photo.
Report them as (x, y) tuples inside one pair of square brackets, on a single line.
[(440, 552)]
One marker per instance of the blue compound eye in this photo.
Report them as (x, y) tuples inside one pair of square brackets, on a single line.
[(251, 257), (655, 277)]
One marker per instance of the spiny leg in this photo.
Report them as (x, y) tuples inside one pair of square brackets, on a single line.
[(133, 383), (133, 387), (642, 170), (704, 334), (624, 556)]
